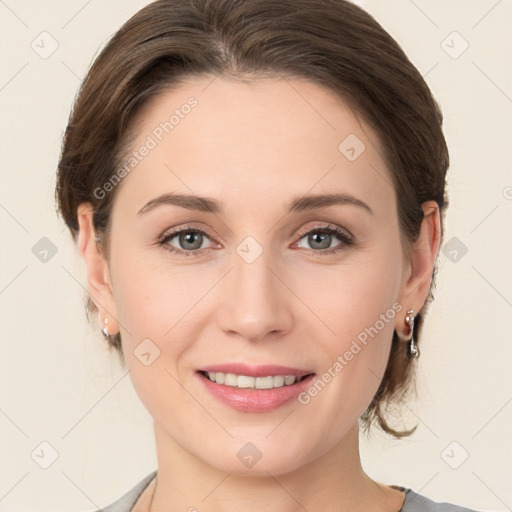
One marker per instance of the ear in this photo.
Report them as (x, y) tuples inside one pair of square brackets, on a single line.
[(98, 274), (418, 272)]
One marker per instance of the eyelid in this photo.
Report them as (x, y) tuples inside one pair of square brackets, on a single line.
[(185, 227), (328, 227)]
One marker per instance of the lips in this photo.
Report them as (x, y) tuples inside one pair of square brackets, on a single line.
[(254, 388)]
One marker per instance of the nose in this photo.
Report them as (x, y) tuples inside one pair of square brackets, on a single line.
[(254, 302)]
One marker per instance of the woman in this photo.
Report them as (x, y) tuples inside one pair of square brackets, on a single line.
[(257, 189)]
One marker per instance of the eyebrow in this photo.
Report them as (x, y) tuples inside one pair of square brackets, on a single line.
[(209, 205)]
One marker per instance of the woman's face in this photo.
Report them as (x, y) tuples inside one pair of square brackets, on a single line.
[(255, 280)]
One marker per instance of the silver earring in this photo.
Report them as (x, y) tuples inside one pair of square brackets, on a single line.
[(413, 350), (105, 329)]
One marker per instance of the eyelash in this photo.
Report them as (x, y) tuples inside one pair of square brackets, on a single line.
[(346, 239)]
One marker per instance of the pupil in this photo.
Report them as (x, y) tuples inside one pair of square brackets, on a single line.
[(191, 237), (320, 238)]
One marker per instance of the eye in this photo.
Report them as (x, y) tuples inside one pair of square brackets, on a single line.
[(186, 241), (323, 239)]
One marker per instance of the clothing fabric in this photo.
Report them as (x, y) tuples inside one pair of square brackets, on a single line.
[(414, 502)]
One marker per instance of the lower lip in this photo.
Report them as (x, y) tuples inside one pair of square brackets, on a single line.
[(255, 400)]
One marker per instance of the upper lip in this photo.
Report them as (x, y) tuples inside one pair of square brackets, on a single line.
[(255, 371)]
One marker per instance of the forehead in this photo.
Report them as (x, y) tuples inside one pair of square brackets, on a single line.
[(263, 139)]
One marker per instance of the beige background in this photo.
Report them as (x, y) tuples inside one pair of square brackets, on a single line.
[(58, 383)]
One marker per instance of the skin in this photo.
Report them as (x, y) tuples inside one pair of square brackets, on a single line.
[(254, 147)]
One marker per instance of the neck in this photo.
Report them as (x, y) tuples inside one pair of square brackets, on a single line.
[(334, 481)]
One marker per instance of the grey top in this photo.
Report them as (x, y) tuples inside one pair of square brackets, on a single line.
[(413, 502)]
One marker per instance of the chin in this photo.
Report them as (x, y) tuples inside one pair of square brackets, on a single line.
[(262, 468), (258, 457)]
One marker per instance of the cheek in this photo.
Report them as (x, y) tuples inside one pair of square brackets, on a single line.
[(153, 298), (360, 297), (371, 306), (156, 308), (161, 309), (361, 311)]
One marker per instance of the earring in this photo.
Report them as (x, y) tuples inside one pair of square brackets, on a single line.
[(413, 350), (105, 330)]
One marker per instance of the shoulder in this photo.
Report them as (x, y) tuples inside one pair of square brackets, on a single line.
[(415, 502), (128, 500)]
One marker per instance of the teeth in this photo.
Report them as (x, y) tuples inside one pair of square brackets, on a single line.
[(289, 379), (244, 381), (278, 381), (230, 379)]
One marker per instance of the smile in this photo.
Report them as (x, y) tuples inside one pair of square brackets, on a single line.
[(254, 389), (246, 381)]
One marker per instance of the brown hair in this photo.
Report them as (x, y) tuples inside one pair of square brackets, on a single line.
[(331, 42)]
